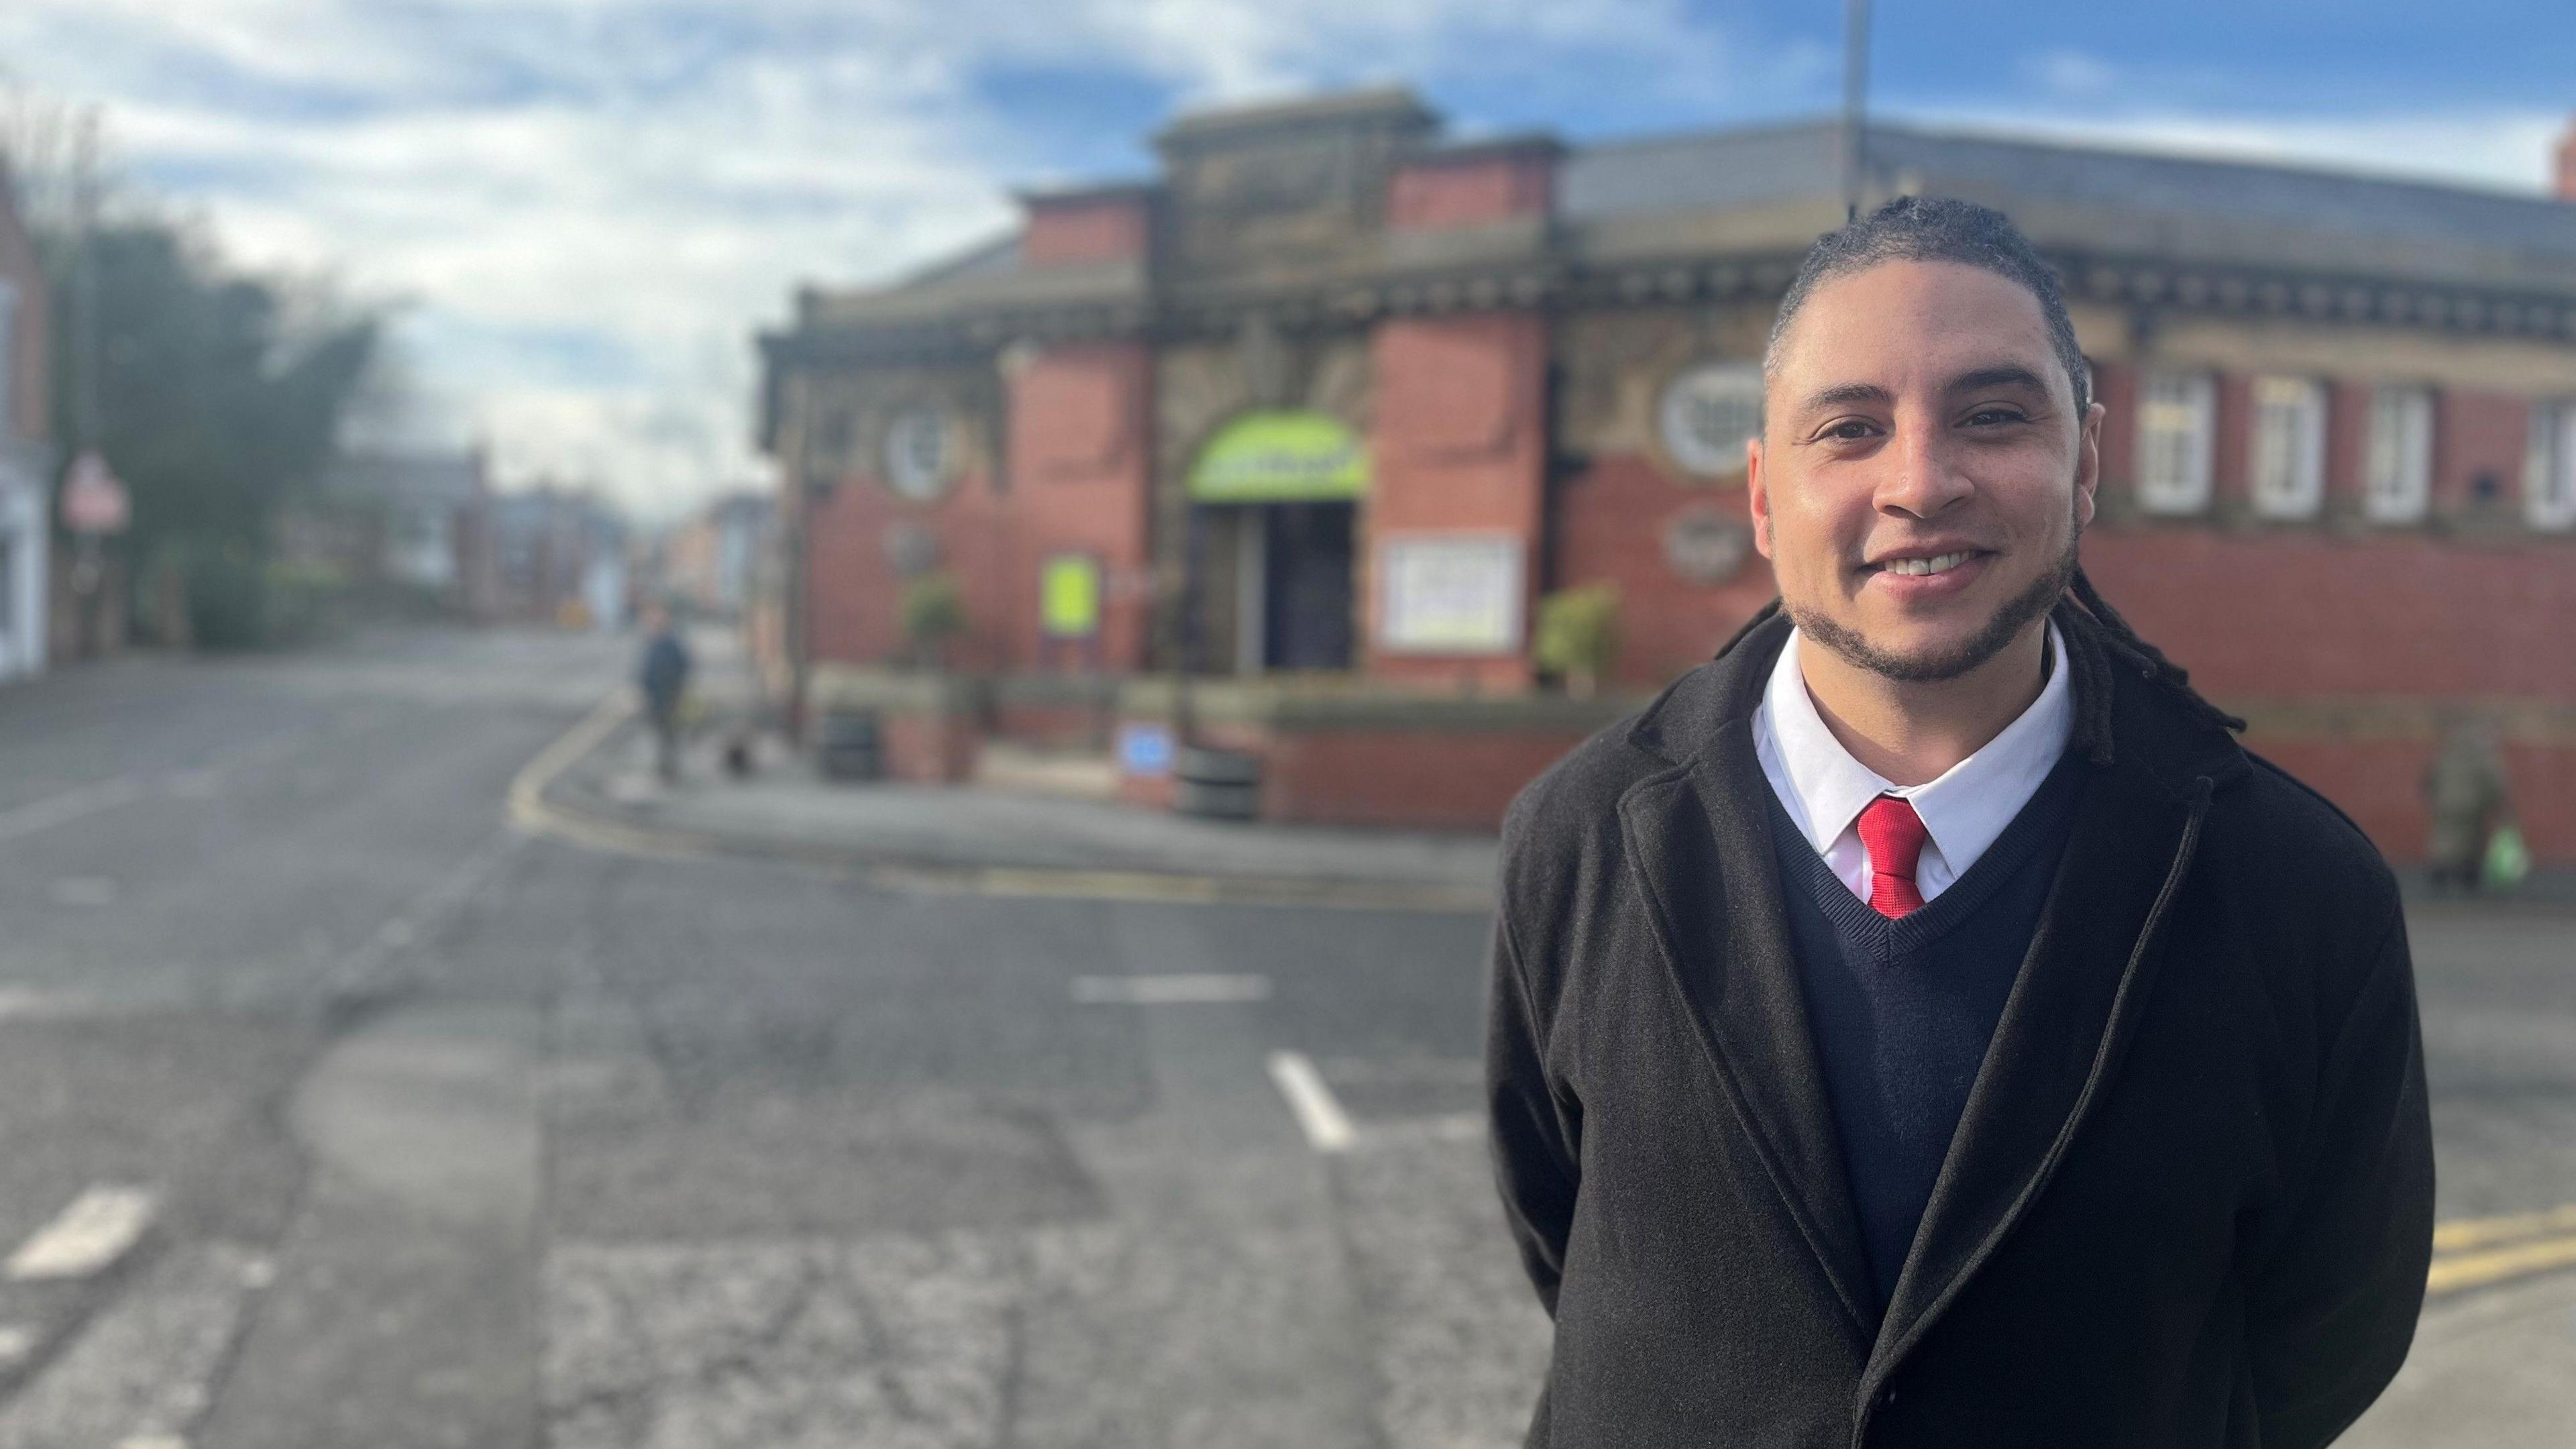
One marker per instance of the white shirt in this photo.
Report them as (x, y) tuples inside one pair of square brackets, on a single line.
[(1824, 789)]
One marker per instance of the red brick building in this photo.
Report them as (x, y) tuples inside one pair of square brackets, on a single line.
[(1317, 416)]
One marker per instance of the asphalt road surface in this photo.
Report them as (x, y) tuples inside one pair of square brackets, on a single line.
[(339, 1115)]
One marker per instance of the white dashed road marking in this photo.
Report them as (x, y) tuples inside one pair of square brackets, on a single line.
[(1179, 990), (365, 966), (69, 806), (1327, 1127), (92, 1232), (31, 1003), (140, 1373)]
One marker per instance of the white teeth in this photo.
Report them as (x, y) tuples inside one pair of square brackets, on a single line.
[(1938, 564)]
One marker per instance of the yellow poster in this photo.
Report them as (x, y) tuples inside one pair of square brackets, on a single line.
[(1069, 596)]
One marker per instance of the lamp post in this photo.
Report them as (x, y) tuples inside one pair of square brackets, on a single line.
[(1855, 102)]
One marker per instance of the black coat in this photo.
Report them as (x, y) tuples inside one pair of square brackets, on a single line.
[(663, 672), (2190, 1200)]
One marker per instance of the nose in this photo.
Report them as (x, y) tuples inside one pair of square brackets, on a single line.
[(1922, 475)]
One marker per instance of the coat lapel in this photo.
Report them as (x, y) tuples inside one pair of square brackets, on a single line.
[(2064, 1024), (1699, 840)]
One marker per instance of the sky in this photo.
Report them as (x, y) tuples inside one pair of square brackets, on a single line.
[(580, 211)]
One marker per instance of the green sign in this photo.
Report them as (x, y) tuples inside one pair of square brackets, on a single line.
[(1281, 457), (1069, 596)]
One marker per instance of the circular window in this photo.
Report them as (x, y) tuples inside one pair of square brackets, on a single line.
[(1709, 413), (919, 455)]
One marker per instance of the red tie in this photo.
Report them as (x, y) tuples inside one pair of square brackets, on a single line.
[(1894, 835)]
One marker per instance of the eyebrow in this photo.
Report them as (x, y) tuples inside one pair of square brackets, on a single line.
[(2002, 374), (2009, 374), (1850, 392)]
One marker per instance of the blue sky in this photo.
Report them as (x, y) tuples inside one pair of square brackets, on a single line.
[(584, 207)]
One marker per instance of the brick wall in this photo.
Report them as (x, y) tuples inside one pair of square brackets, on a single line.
[(2379, 783), (1403, 777), (2347, 444), (1080, 465), (1075, 230), (2115, 387), (2474, 434), (1459, 446), (1610, 522), (2383, 625), (2294, 611), (854, 596), (2231, 473), (1472, 189)]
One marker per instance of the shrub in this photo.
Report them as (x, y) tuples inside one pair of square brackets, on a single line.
[(237, 600), (1577, 639), (934, 612)]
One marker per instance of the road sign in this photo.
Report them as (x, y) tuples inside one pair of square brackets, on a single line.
[(1144, 749), (93, 500)]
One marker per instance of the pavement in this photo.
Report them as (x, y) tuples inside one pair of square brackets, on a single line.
[(342, 1112), (603, 788), (1040, 827)]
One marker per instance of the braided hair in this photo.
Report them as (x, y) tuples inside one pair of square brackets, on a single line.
[(2149, 661)]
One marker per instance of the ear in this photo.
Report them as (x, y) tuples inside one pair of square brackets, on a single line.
[(1758, 493), (2088, 464)]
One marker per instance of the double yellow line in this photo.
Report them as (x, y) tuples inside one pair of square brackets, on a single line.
[(2478, 1251)]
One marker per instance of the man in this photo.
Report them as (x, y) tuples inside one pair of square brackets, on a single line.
[(662, 677), (2464, 790), (1924, 1024)]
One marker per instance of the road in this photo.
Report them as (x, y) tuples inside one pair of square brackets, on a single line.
[(342, 1116)]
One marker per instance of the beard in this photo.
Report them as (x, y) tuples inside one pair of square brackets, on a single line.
[(1933, 665)]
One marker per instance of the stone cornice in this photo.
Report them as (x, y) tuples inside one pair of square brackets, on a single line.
[(2153, 285), (1537, 278)]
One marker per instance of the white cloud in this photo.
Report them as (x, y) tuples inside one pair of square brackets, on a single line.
[(2506, 150), (2071, 74), (587, 206)]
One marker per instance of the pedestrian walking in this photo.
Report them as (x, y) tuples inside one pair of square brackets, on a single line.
[(2464, 792), (662, 676), (1925, 1023)]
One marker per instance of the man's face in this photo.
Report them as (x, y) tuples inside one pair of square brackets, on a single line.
[(1922, 474)]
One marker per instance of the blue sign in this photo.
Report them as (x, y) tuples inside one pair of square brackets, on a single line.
[(1145, 750)]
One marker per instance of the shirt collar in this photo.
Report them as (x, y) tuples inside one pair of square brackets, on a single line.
[(1964, 810)]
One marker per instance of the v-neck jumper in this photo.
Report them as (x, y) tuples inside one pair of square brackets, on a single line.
[(1902, 1010)]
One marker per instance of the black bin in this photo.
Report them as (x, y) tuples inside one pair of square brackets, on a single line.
[(1218, 784), (848, 746)]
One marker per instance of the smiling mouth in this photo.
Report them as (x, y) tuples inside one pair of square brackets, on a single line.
[(1921, 567)]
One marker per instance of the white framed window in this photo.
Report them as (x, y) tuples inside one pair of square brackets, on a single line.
[(2549, 469), (2177, 429), (2397, 480), (2289, 447)]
